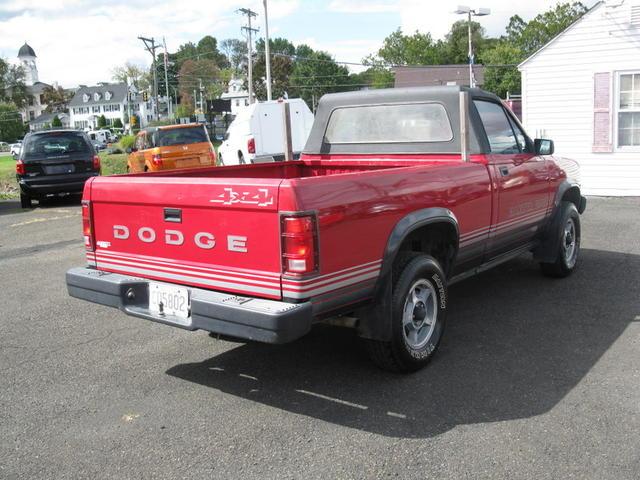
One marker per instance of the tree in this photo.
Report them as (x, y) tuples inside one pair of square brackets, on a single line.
[(401, 49), (102, 121), (236, 52), (316, 73), (531, 36), (12, 84), (282, 62), (502, 79), (117, 123), (195, 74), (56, 99), (208, 50), (11, 126), (184, 110), (456, 46), (56, 122), (133, 74)]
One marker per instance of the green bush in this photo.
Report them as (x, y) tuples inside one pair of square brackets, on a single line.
[(126, 141), (117, 123)]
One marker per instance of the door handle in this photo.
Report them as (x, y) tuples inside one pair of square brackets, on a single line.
[(504, 171)]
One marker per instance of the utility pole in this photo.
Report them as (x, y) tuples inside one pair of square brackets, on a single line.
[(166, 78), (150, 45), (250, 14), (267, 48), (201, 101)]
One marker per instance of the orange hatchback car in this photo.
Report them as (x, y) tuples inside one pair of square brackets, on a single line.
[(171, 147)]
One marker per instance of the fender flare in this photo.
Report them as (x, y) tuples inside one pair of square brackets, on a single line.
[(548, 249), (375, 324)]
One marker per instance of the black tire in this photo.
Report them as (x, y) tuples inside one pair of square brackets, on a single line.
[(568, 238), (241, 158), (25, 201), (220, 161), (413, 272)]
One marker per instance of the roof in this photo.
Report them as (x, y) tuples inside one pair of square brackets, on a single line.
[(48, 117), (26, 51), (435, 75), (561, 34), (37, 88), (118, 94), (447, 96)]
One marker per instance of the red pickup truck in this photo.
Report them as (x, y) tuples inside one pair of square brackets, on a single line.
[(398, 194)]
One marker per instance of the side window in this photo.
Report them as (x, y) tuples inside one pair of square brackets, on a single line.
[(498, 128), (523, 142)]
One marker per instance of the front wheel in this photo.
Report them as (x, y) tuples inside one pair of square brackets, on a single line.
[(568, 232), (25, 201), (419, 304)]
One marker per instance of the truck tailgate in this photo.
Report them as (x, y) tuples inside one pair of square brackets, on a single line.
[(221, 234)]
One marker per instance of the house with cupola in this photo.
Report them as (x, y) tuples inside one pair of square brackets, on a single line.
[(35, 88)]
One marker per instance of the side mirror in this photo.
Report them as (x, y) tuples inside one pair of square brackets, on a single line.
[(543, 146)]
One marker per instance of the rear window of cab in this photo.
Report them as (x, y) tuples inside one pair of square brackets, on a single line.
[(180, 136), (406, 123)]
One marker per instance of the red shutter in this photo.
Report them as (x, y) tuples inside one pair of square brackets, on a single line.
[(602, 113)]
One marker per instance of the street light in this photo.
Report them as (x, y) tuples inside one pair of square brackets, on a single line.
[(480, 12)]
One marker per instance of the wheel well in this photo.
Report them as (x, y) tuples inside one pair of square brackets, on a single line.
[(440, 240), (572, 195)]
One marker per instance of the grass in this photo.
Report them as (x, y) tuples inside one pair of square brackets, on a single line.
[(111, 165), (8, 185)]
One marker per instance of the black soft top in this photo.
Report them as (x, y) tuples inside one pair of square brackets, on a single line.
[(448, 96)]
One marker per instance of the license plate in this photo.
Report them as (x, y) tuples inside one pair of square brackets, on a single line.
[(55, 169), (170, 300)]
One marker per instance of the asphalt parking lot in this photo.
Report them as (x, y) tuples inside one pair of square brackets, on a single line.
[(536, 378)]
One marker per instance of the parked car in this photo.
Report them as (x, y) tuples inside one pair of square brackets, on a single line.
[(4, 147), (257, 132), (398, 194), (55, 162), (102, 136), (171, 147), (15, 149)]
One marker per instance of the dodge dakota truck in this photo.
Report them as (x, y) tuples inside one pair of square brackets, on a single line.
[(398, 194)]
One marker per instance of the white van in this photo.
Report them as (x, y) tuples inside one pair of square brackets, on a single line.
[(101, 136), (257, 133)]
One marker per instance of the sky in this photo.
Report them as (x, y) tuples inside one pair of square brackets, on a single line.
[(81, 41)]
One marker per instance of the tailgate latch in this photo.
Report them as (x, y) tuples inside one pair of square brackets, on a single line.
[(173, 215)]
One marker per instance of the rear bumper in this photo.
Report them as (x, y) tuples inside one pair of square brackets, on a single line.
[(53, 184), (249, 318)]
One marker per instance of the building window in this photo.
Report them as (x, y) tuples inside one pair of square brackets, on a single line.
[(629, 110), (96, 109), (32, 115)]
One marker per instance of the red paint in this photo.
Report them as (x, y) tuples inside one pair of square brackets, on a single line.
[(357, 200)]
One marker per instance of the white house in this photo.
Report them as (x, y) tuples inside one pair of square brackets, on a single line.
[(237, 95), (582, 90), (113, 100)]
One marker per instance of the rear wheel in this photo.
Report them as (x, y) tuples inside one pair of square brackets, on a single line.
[(25, 201), (569, 243), (240, 158), (419, 302)]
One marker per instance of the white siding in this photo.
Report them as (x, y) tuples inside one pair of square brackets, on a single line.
[(558, 91)]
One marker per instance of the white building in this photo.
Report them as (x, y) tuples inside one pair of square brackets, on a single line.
[(35, 104), (582, 90), (237, 95), (108, 99)]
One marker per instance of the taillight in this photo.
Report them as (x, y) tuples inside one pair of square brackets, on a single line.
[(299, 244), (20, 168), (96, 163), (87, 226), (156, 160), (251, 145), (212, 157)]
